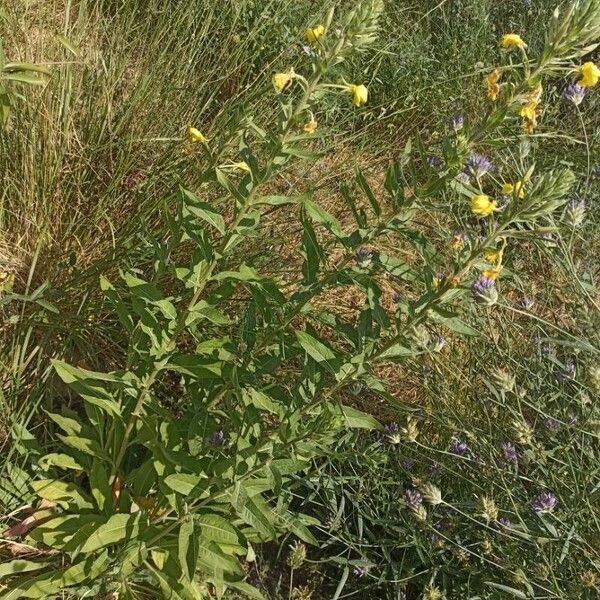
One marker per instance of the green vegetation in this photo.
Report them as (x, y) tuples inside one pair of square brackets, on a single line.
[(299, 301)]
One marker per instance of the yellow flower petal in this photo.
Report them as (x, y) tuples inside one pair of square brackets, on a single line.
[(590, 74), (512, 40), (482, 205), (310, 126), (491, 81), (491, 256), (492, 273), (283, 80), (508, 189), (360, 94), (196, 135), (314, 34)]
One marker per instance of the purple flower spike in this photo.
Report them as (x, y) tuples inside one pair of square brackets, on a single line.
[(510, 452), (407, 463), (458, 447), (413, 497), (457, 122), (568, 372), (363, 257), (483, 290), (544, 503), (216, 439), (551, 423), (478, 165), (435, 161), (574, 93), (526, 302), (503, 522)]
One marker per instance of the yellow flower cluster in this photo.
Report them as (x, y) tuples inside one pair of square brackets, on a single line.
[(196, 135), (360, 94), (529, 109), (282, 80)]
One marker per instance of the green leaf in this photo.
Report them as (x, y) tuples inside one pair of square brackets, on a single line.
[(356, 419), (505, 588), (99, 484), (260, 400), (314, 348), (67, 44), (24, 78), (16, 567), (85, 384), (215, 528), (203, 210), (22, 67), (119, 527), (187, 547), (248, 590), (364, 186), (320, 215), (279, 200), (253, 512), (213, 560), (182, 483), (61, 492), (62, 461)]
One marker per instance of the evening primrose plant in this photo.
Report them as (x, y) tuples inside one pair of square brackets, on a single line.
[(165, 473)]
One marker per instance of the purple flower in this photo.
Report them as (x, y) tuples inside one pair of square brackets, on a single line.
[(307, 50), (596, 170), (483, 290), (413, 497), (363, 257), (478, 165), (359, 388), (435, 161), (510, 452), (391, 428), (568, 372), (551, 423), (542, 343), (526, 302), (457, 121), (437, 343), (573, 93), (216, 439), (407, 463), (397, 297), (544, 502), (464, 177), (458, 447), (360, 571), (392, 433), (503, 522)]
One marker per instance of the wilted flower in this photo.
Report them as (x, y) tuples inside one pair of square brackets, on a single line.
[(510, 452), (523, 433), (568, 371), (544, 502), (216, 439), (458, 446), (491, 82), (241, 166), (526, 302), (503, 380), (314, 34), (411, 431), (459, 239), (512, 40), (457, 121), (363, 257), (484, 291), (573, 93), (432, 592), (196, 135), (489, 510), (297, 554), (437, 343), (431, 493), (413, 497), (572, 420), (575, 212), (360, 94), (590, 74), (478, 165), (482, 205), (310, 126), (589, 579), (595, 378)]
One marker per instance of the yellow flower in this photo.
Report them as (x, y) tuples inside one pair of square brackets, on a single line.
[(314, 34), (590, 74), (492, 273), (360, 94), (491, 81), (530, 125), (482, 204), (310, 126), (283, 80), (196, 135), (509, 189), (242, 166), (512, 40), (529, 110), (491, 256)]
